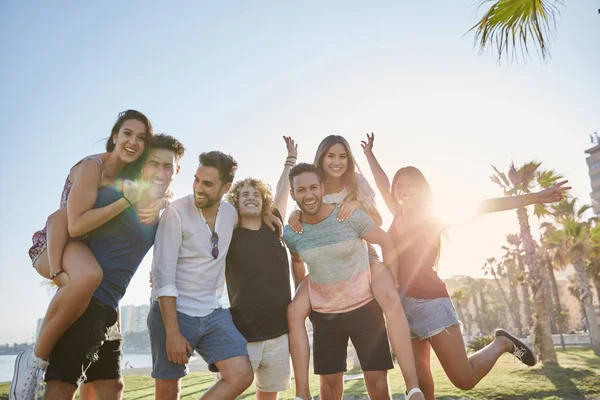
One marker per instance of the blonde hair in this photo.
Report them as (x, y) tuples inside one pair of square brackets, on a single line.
[(233, 197)]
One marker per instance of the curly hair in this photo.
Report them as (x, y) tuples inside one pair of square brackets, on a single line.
[(233, 197)]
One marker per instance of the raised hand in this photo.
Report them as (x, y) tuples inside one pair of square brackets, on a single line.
[(367, 145), (292, 147), (552, 194)]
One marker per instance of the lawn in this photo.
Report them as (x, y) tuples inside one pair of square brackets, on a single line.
[(578, 377)]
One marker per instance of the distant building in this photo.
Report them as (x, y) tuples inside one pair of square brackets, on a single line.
[(593, 162), (140, 317), (127, 318)]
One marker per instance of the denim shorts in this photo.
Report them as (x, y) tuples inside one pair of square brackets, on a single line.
[(428, 317), (214, 337)]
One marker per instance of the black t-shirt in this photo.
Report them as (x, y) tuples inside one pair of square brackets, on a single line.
[(258, 283)]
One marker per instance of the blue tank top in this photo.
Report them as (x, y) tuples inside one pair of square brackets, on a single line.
[(119, 246)]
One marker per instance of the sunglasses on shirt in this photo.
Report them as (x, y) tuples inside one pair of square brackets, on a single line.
[(214, 239)]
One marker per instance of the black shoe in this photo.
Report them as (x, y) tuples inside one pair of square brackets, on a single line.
[(521, 351)]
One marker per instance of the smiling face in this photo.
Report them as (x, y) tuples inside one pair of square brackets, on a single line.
[(406, 190), (250, 202), (411, 189), (159, 170), (130, 141), (208, 187), (335, 161), (307, 192)]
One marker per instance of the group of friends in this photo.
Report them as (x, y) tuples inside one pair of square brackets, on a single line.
[(116, 205)]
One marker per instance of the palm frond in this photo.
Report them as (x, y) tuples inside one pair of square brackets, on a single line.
[(540, 209), (509, 25), (505, 184), (582, 210), (527, 172), (513, 239), (547, 178)]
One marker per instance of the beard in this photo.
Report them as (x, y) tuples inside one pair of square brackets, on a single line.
[(207, 202), (315, 210)]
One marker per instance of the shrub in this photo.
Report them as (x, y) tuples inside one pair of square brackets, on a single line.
[(479, 342)]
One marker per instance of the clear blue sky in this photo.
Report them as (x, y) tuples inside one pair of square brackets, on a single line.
[(236, 77)]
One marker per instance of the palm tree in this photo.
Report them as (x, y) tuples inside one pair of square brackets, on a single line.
[(582, 238), (511, 25), (555, 257), (516, 253), (508, 266), (475, 288), (461, 300), (593, 269), (520, 181), (491, 267), (573, 289)]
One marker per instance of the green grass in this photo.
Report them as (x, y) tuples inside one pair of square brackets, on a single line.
[(578, 377)]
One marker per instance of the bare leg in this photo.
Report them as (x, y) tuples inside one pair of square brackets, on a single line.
[(465, 372), (86, 392), (297, 312), (332, 386), (384, 290), (57, 235), (422, 352), (109, 389), (266, 395), (167, 389), (236, 376), (85, 274), (59, 390), (377, 385)]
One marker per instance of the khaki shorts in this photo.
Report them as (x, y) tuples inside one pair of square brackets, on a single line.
[(270, 361)]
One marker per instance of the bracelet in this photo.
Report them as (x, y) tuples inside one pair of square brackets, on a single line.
[(54, 275), (291, 157), (412, 391), (127, 200)]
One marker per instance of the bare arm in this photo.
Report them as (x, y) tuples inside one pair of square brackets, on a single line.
[(81, 217), (550, 195), (283, 186), (298, 268), (381, 179), (378, 236)]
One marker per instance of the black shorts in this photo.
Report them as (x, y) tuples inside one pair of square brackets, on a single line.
[(365, 326), (82, 354)]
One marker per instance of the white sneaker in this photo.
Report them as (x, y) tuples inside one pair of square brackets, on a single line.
[(28, 376)]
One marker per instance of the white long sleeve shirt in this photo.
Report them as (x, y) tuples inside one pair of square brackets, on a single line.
[(183, 266)]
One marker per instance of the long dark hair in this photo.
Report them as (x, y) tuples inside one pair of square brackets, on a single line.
[(134, 169), (350, 178), (425, 203)]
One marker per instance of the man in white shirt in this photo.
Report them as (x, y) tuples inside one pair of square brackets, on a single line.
[(188, 273)]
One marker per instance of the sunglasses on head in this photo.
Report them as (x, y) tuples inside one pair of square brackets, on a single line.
[(214, 239)]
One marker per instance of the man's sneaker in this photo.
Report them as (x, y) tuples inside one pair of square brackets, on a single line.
[(28, 376), (521, 351)]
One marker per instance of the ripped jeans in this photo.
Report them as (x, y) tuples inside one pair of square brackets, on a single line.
[(83, 354), (429, 317)]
